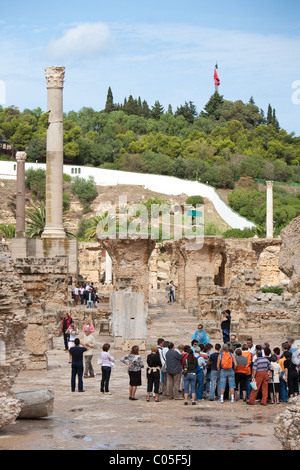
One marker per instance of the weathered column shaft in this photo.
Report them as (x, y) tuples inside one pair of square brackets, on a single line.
[(20, 201), (269, 208), (108, 269), (54, 168)]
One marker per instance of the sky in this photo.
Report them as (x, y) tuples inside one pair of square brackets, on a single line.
[(157, 50)]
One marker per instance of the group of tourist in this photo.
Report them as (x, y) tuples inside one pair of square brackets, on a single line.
[(85, 294), (234, 370)]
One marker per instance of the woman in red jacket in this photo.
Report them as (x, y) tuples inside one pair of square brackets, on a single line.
[(66, 322)]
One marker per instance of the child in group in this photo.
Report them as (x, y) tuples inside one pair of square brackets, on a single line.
[(274, 380)]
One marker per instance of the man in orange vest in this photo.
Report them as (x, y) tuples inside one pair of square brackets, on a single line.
[(240, 373), (226, 366), (248, 354)]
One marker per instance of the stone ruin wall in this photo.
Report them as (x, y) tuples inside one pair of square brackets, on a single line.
[(45, 282), (224, 273), (229, 274), (13, 323)]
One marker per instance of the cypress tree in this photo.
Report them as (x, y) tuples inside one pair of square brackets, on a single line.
[(275, 121), (109, 105), (269, 115)]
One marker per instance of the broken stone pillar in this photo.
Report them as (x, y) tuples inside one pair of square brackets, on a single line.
[(20, 202), (36, 403), (108, 269), (54, 169), (130, 258), (129, 320), (19, 242), (269, 209), (194, 260)]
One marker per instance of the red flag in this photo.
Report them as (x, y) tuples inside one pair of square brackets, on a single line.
[(216, 78)]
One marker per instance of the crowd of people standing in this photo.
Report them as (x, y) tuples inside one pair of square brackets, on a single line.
[(85, 294), (233, 370)]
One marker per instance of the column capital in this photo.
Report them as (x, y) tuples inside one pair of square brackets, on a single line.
[(269, 184), (55, 76), (21, 156)]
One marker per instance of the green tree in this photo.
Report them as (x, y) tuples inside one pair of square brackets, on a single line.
[(194, 200), (146, 112), (35, 180), (213, 106), (157, 110), (131, 106), (188, 111), (109, 105), (269, 114), (85, 190)]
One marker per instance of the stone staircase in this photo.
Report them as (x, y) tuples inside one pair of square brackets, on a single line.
[(174, 323)]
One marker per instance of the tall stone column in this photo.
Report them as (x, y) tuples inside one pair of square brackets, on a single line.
[(20, 202), (54, 168), (269, 209), (108, 269)]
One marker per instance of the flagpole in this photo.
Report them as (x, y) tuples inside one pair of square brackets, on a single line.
[(216, 76)]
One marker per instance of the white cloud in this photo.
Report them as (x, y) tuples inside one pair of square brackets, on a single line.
[(82, 41), (179, 42)]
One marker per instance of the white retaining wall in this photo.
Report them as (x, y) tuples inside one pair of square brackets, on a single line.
[(158, 183)]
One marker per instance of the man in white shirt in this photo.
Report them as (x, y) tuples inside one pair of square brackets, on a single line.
[(251, 346), (89, 344)]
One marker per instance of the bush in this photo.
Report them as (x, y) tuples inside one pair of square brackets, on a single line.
[(66, 202), (238, 233), (35, 180), (84, 224), (194, 200), (85, 190), (67, 178)]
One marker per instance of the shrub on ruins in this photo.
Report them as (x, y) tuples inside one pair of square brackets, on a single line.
[(194, 200), (239, 233), (35, 180), (85, 190), (272, 289)]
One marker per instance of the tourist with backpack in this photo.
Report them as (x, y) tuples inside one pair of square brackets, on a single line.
[(215, 374), (201, 366), (226, 366), (190, 364)]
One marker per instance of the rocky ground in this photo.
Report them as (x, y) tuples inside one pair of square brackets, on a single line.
[(91, 420)]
